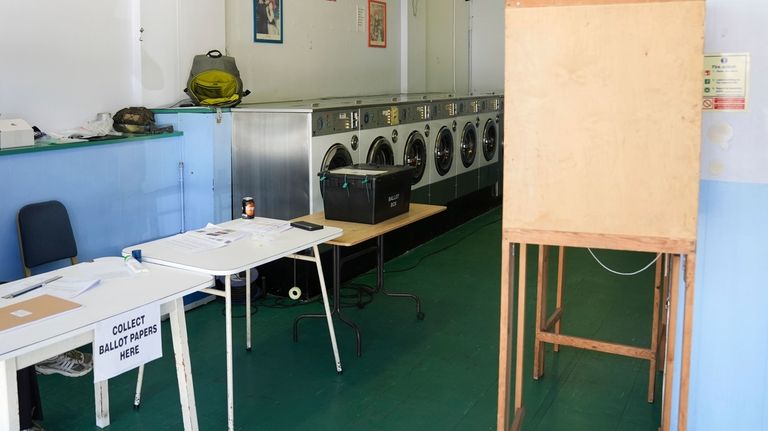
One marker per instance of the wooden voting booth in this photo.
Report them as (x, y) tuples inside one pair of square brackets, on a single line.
[(603, 120)]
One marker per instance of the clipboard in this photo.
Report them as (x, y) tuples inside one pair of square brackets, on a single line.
[(33, 309)]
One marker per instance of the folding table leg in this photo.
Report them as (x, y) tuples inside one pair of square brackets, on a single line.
[(101, 397), (328, 316), (380, 279), (228, 341), (9, 395), (248, 309), (139, 382), (183, 365)]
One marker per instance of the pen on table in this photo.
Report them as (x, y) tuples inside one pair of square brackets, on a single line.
[(31, 288)]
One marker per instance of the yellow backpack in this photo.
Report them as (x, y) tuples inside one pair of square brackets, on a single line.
[(215, 81)]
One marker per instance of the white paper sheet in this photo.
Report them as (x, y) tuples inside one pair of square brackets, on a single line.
[(69, 287)]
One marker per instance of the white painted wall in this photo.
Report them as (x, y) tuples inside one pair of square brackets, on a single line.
[(66, 61), (322, 54), (487, 46), (174, 32), (414, 52)]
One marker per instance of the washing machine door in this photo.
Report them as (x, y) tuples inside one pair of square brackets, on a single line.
[(489, 140), (336, 157), (415, 155), (381, 152), (468, 147), (443, 151)]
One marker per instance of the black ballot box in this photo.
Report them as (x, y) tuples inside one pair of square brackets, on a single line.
[(365, 193)]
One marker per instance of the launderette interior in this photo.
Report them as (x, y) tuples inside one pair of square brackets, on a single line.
[(582, 247)]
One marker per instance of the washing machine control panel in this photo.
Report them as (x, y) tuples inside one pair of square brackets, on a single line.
[(474, 106), (338, 121), (380, 116), (443, 110)]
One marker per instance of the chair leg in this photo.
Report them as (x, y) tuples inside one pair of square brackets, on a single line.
[(139, 381)]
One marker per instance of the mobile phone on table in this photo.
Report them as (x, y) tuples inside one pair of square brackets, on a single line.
[(306, 225)]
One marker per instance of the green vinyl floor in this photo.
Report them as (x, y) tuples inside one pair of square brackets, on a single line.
[(435, 374)]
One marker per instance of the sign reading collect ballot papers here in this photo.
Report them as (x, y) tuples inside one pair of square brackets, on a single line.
[(126, 341)]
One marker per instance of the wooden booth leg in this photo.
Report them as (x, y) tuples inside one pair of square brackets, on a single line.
[(560, 281), (520, 333), (655, 329), (541, 311), (661, 353), (685, 354), (674, 277), (505, 334)]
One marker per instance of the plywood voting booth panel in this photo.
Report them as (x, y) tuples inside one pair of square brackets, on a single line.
[(603, 119), (603, 114)]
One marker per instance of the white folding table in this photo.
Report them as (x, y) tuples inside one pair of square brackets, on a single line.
[(29, 344), (241, 256)]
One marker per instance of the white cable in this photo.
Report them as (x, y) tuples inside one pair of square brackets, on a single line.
[(623, 273)]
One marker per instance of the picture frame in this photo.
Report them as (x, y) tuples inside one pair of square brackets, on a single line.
[(268, 21), (377, 24)]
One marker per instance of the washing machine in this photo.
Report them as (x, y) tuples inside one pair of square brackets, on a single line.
[(443, 151), (335, 143), (490, 142), (279, 148), (414, 118), (468, 141), (380, 134)]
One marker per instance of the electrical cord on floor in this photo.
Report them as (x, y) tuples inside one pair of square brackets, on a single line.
[(238, 316), (367, 290), (272, 301), (362, 290), (440, 250)]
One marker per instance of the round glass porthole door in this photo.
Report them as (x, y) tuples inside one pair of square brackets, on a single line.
[(336, 157), (468, 146), (489, 140), (443, 151), (415, 155), (381, 152)]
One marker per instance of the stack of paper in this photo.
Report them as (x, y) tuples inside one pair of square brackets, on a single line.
[(260, 228), (69, 287), (207, 238)]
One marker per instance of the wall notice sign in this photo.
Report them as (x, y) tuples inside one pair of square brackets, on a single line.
[(126, 341), (726, 82)]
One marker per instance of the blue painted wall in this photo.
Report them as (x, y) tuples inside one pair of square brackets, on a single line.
[(116, 195), (120, 194), (729, 364)]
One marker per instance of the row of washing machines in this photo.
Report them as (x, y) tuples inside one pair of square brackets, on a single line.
[(453, 144)]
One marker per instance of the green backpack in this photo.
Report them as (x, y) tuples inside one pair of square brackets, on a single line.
[(215, 81)]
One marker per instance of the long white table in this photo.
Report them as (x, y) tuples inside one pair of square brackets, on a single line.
[(241, 256), (27, 345)]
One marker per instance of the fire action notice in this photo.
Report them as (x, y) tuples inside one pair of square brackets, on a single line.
[(726, 82), (126, 341)]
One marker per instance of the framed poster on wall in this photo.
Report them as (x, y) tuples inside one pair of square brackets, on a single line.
[(268, 21), (377, 24)]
